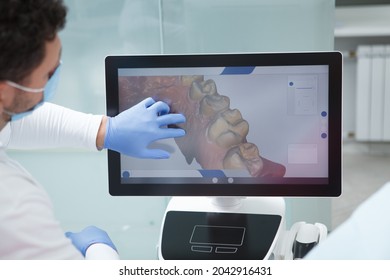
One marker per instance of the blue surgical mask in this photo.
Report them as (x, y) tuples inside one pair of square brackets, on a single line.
[(48, 93)]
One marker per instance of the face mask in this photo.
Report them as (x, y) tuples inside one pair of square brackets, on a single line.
[(48, 93)]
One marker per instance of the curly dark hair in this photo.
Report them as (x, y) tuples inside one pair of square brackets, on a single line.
[(25, 27)]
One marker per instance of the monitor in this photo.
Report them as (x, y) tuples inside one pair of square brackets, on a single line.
[(257, 124)]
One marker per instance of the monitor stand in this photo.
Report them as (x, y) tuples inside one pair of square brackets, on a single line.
[(222, 228)]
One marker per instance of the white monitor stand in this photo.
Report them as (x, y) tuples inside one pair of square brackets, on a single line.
[(209, 228)]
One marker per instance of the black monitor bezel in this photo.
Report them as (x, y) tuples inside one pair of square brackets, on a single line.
[(332, 59)]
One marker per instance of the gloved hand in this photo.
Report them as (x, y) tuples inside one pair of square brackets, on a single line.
[(133, 130), (89, 236)]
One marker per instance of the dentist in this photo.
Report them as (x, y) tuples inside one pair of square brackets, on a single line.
[(30, 65)]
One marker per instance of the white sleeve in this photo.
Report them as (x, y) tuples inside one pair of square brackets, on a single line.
[(54, 126), (364, 236), (28, 228)]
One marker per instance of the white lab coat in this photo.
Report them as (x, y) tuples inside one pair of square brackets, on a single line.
[(28, 228), (364, 236)]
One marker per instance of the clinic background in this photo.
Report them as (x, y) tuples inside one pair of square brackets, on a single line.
[(76, 179)]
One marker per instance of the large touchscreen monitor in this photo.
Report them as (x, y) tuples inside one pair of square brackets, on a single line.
[(266, 124)]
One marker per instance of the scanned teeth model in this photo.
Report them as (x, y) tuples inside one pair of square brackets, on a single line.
[(215, 133)]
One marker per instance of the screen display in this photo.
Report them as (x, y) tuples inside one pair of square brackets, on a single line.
[(248, 126)]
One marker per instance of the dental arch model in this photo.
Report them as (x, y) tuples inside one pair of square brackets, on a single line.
[(215, 134)]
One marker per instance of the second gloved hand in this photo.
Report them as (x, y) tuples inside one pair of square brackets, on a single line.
[(133, 130), (89, 236)]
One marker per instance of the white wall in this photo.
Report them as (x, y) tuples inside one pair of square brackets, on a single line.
[(359, 25)]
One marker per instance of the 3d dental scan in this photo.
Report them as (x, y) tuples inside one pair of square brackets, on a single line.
[(238, 139), (217, 134)]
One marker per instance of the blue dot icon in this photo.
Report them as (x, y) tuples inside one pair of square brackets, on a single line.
[(290, 84), (324, 135), (324, 114), (126, 174)]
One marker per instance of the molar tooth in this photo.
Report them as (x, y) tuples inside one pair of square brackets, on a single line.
[(228, 129), (218, 127), (249, 151), (232, 116), (245, 155), (226, 135), (209, 87), (212, 104), (196, 92), (241, 129), (252, 158)]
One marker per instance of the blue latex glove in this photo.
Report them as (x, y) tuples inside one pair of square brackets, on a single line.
[(133, 130), (89, 236)]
